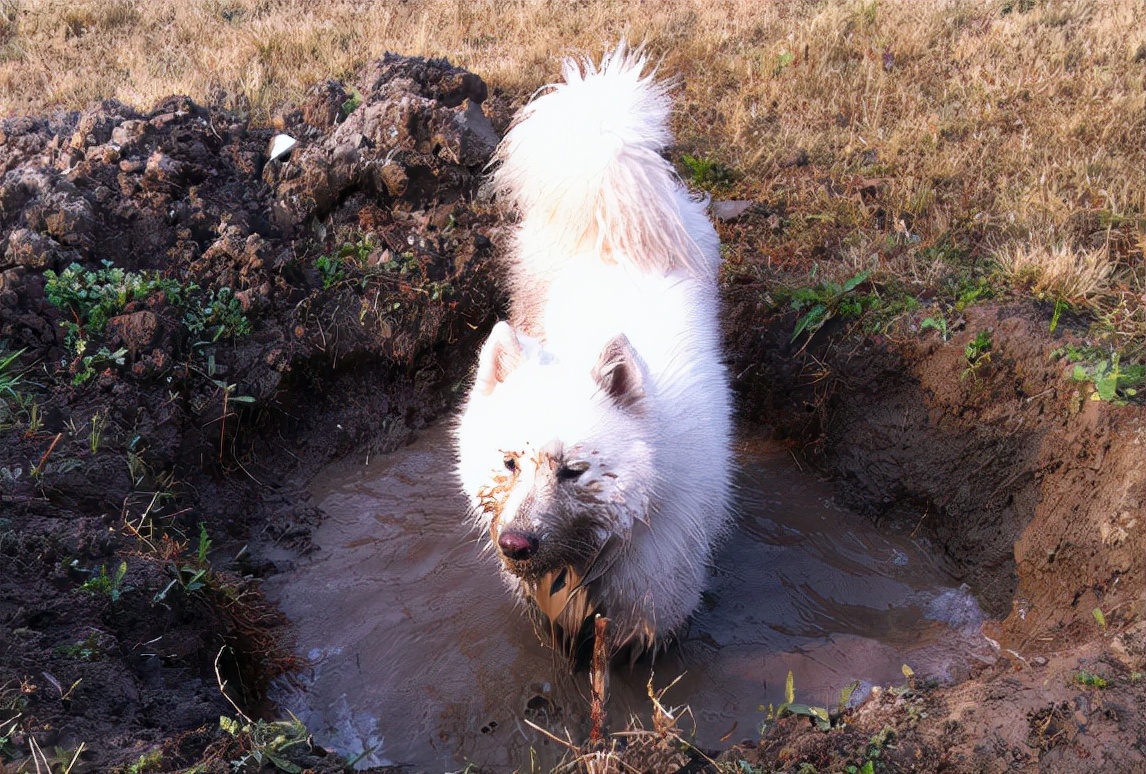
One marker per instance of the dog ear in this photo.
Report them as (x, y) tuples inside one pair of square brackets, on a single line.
[(620, 373), (501, 353)]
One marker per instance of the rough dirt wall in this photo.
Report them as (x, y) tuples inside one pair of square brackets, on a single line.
[(187, 421), (1032, 492)]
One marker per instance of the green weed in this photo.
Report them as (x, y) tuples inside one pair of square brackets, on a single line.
[(266, 743), (111, 585), (92, 297), (827, 300), (331, 270), (706, 173), (1090, 680), (9, 729), (148, 762), (190, 576), (978, 353), (87, 649), (351, 104), (220, 314), (818, 715), (1114, 382), (783, 60), (937, 322), (14, 401), (99, 424)]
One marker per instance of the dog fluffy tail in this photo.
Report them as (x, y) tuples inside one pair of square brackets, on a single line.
[(582, 164)]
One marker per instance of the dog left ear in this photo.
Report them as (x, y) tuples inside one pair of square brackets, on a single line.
[(620, 373), (501, 353)]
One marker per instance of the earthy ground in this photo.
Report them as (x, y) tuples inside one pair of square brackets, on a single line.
[(160, 425)]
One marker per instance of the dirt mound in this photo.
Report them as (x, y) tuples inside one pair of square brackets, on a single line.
[(188, 311)]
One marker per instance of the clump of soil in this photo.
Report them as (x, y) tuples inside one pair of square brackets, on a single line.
[(329, 301)]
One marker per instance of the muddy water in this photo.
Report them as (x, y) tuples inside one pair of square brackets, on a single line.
[(417, 655)]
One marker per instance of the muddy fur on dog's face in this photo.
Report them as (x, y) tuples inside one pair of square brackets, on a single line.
[(560, 458)]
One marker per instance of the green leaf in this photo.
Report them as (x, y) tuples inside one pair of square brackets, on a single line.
[(813, 319), (282, 763), (847, 692), (856, 281)]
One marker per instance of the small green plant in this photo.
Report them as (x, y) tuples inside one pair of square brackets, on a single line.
[(111, 585), (1090, 680), (977, 353), (87, 649), (87, 366), (99, 424), (1060, 306), (783, 60), (818, 715), (9, 729), (266, 742), (1113, 381), (352, 254), (190, 576), (331, 270), (217, 315), (13, 400), (8, 376), (92, 297), (148, 762), (969, 291), (351, 104), (1100, 617), (57, 760), (936, 322), (705, 172), (827, 300)]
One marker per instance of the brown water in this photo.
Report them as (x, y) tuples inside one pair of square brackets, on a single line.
[(418, 655)]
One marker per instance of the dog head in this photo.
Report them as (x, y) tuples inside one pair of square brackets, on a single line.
[(556, 458)]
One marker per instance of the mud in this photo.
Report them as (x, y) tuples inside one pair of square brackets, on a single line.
[(1023, 488), (803, 587)]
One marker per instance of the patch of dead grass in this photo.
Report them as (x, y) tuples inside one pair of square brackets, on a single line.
[(1057, 271)]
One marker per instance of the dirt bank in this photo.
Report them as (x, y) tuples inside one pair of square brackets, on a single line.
[(303, 307), (1031, 489), (272, 314)]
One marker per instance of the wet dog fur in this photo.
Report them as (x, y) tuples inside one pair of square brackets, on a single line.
[(594, 445)]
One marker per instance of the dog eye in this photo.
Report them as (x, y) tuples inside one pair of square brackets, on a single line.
[(511, 464), (571, 471)]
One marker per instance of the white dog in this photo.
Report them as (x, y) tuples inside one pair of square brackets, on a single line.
[(595, 444)]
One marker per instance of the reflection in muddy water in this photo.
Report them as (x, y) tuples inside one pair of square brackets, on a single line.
[(418, 655)]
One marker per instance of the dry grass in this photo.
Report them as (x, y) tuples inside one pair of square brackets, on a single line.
[(876, 129), (1057, 272)]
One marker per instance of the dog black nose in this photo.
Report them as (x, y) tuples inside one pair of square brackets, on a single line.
[(517, 546)]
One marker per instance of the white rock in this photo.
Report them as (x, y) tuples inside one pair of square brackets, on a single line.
[(281, 145)]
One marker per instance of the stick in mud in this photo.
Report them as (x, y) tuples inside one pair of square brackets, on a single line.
[(599, 678)]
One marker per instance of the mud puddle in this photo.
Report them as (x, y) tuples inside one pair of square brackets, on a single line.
[(417, 656)]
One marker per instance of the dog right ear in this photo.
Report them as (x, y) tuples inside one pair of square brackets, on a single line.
[(620, 374), (501, 353)]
